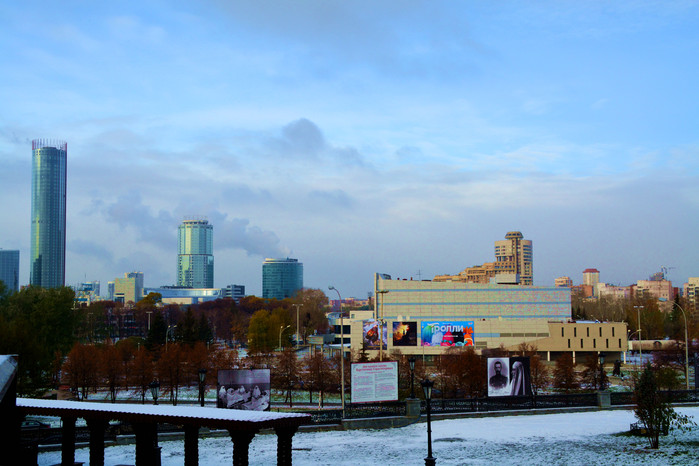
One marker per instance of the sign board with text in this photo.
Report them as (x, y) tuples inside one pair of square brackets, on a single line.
[(374, 381)]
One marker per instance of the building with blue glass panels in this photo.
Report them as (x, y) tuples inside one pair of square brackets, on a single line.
[(48, 231), (281, 278), (9, 269), (195, 256)]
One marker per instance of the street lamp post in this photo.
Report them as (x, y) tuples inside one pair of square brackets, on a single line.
[(154, 390), (380, 323), (202, 379), (342, 352), (686, 347), (281, 329), (640, 344), (167, 332), (427, 388), (411, 361), (601, 371), (297, 306)]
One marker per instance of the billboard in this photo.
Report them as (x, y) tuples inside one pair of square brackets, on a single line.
[(509, 377), (374, 333), (404, 333), (447, 333), (247, 389), (374, 381)]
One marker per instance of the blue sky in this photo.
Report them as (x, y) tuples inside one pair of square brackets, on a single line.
[(359, 137)]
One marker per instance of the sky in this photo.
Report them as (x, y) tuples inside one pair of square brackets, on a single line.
[(400, 137)]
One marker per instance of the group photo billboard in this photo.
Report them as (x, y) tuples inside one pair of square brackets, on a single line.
[(374, 381), (447, 333), (509, 377), (247, 389), (404, 333), (374, 333)]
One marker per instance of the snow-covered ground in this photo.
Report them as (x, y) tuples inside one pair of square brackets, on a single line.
[(551, 439)]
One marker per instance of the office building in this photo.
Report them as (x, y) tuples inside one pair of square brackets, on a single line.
[(185, 295), (195, 256), (9, 269), (563, 281), (48, 216), (514, 256), (513, 264), (281, 278), (235, 292), (129, 288)]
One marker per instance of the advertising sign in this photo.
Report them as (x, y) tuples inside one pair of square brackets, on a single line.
[(447, 333), (509, 377), (374, 381), (247, 389), (374, 334), (404, 333)]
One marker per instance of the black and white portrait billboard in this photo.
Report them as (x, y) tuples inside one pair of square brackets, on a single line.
[(509, 377), (247, 389)]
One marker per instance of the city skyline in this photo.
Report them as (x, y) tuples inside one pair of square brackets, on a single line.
[(406, 148)]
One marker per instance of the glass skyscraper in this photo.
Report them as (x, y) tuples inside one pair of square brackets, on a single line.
[(9, 269), (47, 266), (195, 257), (281, 278)]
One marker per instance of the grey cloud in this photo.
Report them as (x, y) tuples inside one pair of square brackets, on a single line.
[(91, 249), (238, 234), (129, 211)]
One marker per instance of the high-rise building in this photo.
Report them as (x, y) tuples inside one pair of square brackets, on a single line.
[(47, 266), (281, 278), (129, 288), (195, 254), (514, 255), (9, 269)]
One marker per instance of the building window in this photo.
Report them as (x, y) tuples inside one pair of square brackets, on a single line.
[(607, 342), (588, 332), (563, 332), (569, 343), (582, 344), (619, 342), (600, 331), (575, 331), (612, 331)]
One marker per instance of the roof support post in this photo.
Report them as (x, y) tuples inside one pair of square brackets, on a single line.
[(68, 440), (284, 437), (147, 450), (241, 444), (97, 428), (191, 445)]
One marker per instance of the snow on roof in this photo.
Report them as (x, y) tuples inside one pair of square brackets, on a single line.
[(166, 411)]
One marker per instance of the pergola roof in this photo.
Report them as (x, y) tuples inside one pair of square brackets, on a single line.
[(231, 419)]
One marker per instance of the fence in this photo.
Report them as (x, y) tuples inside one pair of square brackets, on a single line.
[(471, 405)]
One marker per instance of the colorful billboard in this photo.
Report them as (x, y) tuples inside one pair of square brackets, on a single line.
[(374, 381), (374, 334), (404, 333), (509, 377), (247, 389), (447, 333)]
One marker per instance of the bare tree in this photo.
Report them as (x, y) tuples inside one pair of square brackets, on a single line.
[(81, 368), (540, 374), (564, 375)]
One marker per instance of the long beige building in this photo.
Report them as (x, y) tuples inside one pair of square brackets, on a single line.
[(428, 317)]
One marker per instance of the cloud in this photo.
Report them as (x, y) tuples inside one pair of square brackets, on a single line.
[(237, 233), (91, 249), (129, 211)]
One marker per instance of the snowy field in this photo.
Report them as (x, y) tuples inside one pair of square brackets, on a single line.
[(551, 439)]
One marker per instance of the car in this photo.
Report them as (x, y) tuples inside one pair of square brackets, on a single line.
[(30, 425)]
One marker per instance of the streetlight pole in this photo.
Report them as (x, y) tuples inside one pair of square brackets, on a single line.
[(297, 306), (640, 344), (601, 371), (411, 361), (202, 378), (686, 348), (427, 388), (380, 323), (169, 327), (342, 352), (281, 329)]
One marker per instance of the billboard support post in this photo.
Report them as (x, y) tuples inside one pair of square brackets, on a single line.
[(342, 352)]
